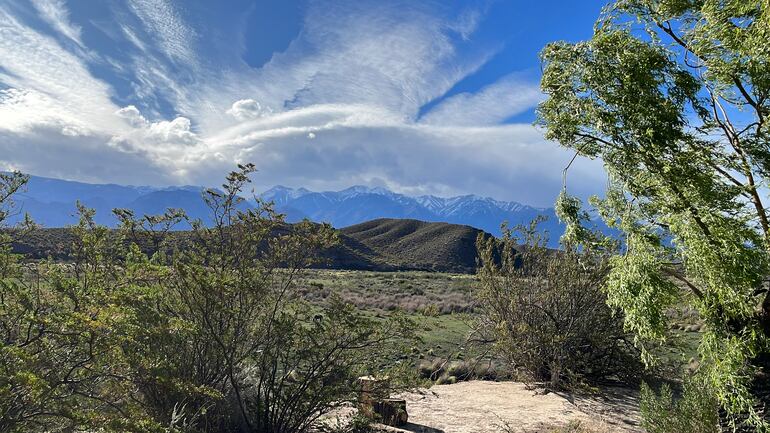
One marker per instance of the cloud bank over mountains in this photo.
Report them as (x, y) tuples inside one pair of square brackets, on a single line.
[(155, 92)]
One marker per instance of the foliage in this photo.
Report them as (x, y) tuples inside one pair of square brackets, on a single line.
[(233, 342), (673, 96), (545, 310), (431, 294), (61, 331), (695, 411), (205, 335)]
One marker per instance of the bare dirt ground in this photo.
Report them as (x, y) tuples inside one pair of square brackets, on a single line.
[(493, 407)]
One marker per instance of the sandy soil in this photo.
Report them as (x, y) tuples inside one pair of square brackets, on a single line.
[(493, 407)]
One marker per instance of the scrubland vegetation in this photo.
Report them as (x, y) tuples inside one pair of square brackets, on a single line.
[(546, 313), (209, 338), (427, 293), (229, 333), (235, 331)]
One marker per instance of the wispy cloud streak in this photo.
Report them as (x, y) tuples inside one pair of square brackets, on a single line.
[(341, 105), (55, 13), (167, 28)]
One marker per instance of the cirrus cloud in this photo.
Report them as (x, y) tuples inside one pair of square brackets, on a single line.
[(343, 104)]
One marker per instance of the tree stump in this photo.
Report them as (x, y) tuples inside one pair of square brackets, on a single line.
[(371, 390), (392, 411)]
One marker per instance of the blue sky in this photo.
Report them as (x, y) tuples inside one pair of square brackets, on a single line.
[(420, 97)]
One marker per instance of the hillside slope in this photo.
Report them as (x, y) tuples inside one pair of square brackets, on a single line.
[(417, 244), (379, 245)]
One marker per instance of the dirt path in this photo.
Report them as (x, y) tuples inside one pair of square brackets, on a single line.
[(488, 407)]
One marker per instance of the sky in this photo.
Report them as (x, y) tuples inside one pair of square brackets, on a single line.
[(418, 96)]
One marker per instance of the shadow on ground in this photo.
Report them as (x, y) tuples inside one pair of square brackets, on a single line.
[(419, 428)]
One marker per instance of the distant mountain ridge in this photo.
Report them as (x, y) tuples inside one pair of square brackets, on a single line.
[(51, 202), (359, 204)]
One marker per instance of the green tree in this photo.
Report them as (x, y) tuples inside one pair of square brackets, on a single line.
[(673, 96)]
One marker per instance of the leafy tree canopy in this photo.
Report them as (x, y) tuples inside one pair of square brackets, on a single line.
[(674, 97)]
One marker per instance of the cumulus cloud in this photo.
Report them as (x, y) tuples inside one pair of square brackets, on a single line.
[(154, 137), (132, 115), (246, 109), (176, 131)]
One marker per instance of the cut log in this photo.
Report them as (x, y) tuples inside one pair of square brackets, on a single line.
[(391, 411), (371, 390)]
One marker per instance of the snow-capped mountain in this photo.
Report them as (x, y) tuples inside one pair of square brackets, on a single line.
[(360, 203), (51, 202)]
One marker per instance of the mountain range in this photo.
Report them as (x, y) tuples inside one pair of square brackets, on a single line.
[(51, 203), (359, 204)]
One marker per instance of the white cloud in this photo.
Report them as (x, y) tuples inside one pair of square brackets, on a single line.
[(338, 107), (47, 84), (132, 116), (176, 131), (350, 52), (55, 13), (507, 161), (164, 22), (467, 23), (246, 109), (360, 146), (491, 105), (161, 138), (46, 151)]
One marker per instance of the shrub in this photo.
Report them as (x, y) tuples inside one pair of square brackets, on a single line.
[(430, 310), (205, 335), (61, 330), (355, 424), (462, 370), (230, 340), (546, 313), (446, 379), (432, 369), (696, 411), (489, 370)]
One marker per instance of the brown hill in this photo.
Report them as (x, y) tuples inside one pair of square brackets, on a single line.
[(412, 244), (379, 245)]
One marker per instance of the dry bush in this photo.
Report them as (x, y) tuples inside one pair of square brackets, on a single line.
[(443, 371), (546, 313)]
